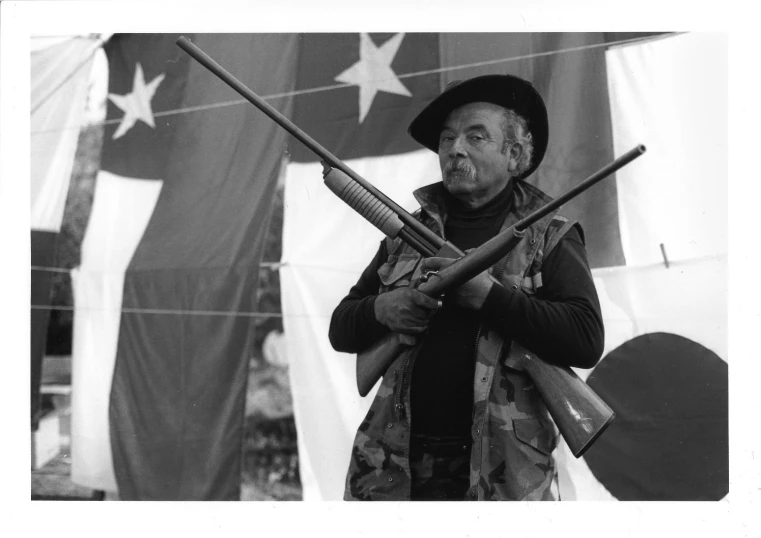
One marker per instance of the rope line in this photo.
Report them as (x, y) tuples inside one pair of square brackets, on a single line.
[(272, 266), (597, 272), (169, 311), (263, 265), (527, 56), (331, 87), (50, 269)]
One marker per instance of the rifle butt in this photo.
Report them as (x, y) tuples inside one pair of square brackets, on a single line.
[(580, 414)]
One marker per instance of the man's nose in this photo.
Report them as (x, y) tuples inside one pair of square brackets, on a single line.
[(457, 149)]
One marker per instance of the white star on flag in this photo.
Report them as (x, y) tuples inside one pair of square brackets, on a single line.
[(373, 73), (137, 104)]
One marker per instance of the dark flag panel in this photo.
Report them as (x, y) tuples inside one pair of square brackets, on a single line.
[(43, 254), (177, 400)]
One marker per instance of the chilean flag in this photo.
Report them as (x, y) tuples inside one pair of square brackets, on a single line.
[(169, 271)]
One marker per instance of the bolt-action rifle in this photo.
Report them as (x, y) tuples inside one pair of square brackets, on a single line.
[(580, 414)]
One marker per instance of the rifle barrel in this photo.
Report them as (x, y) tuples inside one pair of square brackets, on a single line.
[(601, 174)]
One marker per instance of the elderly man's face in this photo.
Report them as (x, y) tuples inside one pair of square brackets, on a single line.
[(474, 167)]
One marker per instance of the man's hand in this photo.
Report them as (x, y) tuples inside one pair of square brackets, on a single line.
[(472, 294), (405, 310)]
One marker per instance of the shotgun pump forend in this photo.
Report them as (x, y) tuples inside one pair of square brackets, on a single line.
[(362, 201)]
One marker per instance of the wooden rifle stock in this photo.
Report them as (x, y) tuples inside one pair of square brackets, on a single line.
[(579, 413)]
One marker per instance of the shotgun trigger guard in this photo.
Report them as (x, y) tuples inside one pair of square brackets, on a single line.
[(427, 275)]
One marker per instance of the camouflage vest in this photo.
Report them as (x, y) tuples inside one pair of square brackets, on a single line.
[(513, 434)]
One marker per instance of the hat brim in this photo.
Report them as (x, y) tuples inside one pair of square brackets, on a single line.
[(506, 91)]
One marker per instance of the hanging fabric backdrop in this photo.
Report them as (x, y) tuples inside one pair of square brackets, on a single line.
[(183, 200), (600, 105)]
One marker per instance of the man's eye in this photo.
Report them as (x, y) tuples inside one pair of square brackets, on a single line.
[(477, 138)]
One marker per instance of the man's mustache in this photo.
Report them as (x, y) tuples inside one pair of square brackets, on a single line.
[(460, 166)]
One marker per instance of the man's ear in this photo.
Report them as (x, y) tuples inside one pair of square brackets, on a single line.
[(516, 150)]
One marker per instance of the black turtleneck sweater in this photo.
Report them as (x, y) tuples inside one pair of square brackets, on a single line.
[(442, 378), (561, 322)]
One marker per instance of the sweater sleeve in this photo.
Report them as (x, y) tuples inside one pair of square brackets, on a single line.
[(562, 322), (353, 326)]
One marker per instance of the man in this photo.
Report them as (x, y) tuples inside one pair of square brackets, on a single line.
[(451, 419)]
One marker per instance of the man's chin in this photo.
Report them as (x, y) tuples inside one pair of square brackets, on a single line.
[(457, 185)]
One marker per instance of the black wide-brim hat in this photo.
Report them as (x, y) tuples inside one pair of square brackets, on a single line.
[(506, 91)]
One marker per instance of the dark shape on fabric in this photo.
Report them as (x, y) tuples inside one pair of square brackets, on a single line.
[(177, 398), (368, 420), (497, 475), (507, 386), (669, 440), (363, 469)]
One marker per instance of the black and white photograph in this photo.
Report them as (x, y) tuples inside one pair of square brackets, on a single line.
[(270, 259)]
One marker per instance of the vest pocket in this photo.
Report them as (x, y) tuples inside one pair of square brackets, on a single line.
[(397, 271), (534, 433)]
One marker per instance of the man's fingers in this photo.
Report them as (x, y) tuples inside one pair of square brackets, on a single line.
[(435, 264), (422, 300)]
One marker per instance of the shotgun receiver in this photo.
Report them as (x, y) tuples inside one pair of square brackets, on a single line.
[(579, 413)]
